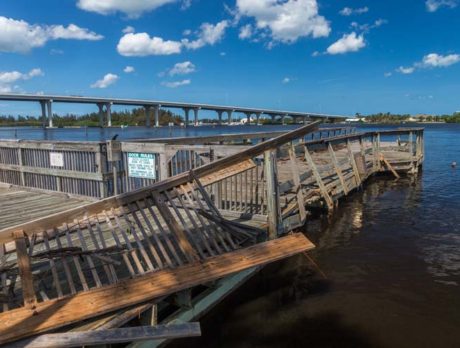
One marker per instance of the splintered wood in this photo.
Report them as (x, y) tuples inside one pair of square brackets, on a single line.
[(52, 314)]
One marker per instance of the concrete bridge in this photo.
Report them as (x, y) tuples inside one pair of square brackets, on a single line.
[(105, 104)]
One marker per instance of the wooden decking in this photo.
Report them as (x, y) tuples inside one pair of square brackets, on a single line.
[(17, 206)]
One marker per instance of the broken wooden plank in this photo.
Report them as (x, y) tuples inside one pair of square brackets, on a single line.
[(22, 322), (110, 336), (25, 272)]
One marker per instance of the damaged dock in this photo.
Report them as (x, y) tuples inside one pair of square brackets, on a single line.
[(173, 244)]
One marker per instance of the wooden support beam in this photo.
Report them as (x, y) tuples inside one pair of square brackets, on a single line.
[(390, 167), (110, 336), (335, 163), (48, 315), (25, 272), (319, 180), (272, 193)]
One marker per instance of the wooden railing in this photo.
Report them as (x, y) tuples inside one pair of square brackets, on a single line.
[(88, 169)]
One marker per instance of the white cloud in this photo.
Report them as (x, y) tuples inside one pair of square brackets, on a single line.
[(132, 8), (405, 70), (7, 78), (209, 34), (223, 54), (187, 32), (366, 27), (432, 60), (175, 84), (55, 51), (347, 43), (140, 45), (20, 37), (183, 68), (285, 20), (128, 29), (128, 69), (434, 5), (245, 32), (388, 74), (285, 80), (106, 81), (348, 11)]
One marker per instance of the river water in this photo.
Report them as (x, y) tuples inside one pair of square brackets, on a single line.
[(390, 255)]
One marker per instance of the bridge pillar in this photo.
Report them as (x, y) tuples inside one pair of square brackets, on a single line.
[(229, 114), (147, 114), (283, 119), (195, 114), (101, 114), (257, 118), (43, 106), (50, 113), (248, 117), (186, 116), (108, 111), (219, 115), (156, 112), (273, 118)]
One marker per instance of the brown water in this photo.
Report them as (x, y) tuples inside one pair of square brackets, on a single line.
[(391, 254)]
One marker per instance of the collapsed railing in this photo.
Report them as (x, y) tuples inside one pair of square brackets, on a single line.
[(138, 246)]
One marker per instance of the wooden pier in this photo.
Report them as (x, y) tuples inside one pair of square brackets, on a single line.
[(182, 241)]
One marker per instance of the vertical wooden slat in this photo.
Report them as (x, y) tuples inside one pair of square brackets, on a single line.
[(338, 171), (319, 180), (297, 182)]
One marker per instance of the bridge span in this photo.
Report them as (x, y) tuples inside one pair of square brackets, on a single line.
[(105, 104)]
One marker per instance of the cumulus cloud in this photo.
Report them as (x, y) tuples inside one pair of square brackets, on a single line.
[(434, 5), (18, 36), (128, 69), (286, 80), (208, 34), (175, 84), (141, 44), (431, 60), (8, 78), (347, 43), (348, 11), (245, 32), (434, 60), (285, 20), (132, 8), (405, 70), (183, 68), (106, 81), (128, 29)]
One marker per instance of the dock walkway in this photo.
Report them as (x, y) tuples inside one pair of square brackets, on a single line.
[(235, 213)]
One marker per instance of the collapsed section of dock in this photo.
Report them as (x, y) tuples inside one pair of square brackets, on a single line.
[(191, 234)]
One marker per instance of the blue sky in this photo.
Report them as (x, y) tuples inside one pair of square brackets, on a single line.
[(338, 57)]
